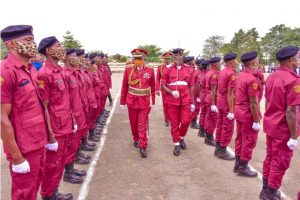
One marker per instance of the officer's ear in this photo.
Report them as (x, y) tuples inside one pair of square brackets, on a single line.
[(11, 44)]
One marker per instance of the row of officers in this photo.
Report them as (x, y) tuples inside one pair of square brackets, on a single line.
[(47, 116), (220, 99)]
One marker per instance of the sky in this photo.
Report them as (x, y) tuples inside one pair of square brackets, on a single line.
[(118, 26)]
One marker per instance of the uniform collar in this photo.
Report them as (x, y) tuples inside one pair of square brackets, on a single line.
[(285, 68), (13, 61), (54, 67)]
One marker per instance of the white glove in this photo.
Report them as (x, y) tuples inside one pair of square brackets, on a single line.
[(123, 107), (22, 168), (52, 147), (214, 108), (255, 126), (193, 107), (230, 116), (292, 144), (75, 128), (175, 94), (198, 100)]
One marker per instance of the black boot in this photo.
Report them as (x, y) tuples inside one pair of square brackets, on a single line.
[(217, 149), (52, 197), (236, 164), (70, 176), (264, 188), (76, 171), (224, 154), (110, 100), (244, 170), (194, 124), (92, 137), (60, 196), (136, 144), (85, 146), (176, 151), (86, 156), (182, 144), (143, 152), (210, 140), (270, 194), (201, 132), (167, 123)]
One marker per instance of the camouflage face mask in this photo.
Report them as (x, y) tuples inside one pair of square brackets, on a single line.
[(27, 49)]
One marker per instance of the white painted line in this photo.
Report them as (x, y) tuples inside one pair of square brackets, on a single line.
[(283, 195), (84, 190)]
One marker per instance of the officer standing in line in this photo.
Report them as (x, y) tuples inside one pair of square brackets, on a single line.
[(23, 125)]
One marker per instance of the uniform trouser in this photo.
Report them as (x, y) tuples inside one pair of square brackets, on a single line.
[(202, 114), (211, 120), (54, 167), (245, 141), (197, 110), (103, 101), (139, 125), (224, 128), (180, 118), (26, 186), (277, 161), (73, 144), (92, 117), (165, 105)]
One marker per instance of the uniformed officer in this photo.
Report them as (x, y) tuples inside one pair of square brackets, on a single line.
[(225, 102), (178, 83), (211, 84), (23, 125), (71, 63), (197, 74), (54, 93), (108, 74), (203, 106), (138, 89), (247, 114), (280, 120), (160, 71)]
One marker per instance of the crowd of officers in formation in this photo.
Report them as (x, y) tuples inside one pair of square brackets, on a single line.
[(49, 112), (220, 99)]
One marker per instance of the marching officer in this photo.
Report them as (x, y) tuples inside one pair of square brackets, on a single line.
[(23, 126), (280, 120), (202, 92), (55, 96), (178, 83), (247, 114), (138, 89), (160, 71), (225, 102), (211, 84)]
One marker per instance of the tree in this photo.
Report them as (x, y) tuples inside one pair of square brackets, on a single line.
[(213, 46), (154, 52), (3, 50), (70, 42)]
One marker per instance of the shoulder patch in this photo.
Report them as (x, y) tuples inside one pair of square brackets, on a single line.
[(214, 76), (1, 80), (297, 89), (255, 86), (233, 77), (41, 84), (169, 65)]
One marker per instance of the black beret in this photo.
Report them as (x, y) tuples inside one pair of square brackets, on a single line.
[(286, 52), (101, 55), (46, 43), (93, 62), (199, 61), (249, 56), (205, 62), (69, 51), (215, 59), (86, 55), (229, 56), (93, 55), (188, 58), (177, 50), (15, 31), (79, 52)]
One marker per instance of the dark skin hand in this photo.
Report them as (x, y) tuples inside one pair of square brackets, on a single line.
[(254, 108), (230, 99), (291, 118), (48, 121), (8, 136), (192, 88), (170, 91), (213, 94), (166, 89)]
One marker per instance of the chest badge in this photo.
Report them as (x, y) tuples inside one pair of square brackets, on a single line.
[(146, 75)]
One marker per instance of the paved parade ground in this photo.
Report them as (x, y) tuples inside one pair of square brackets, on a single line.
[(118, 171)]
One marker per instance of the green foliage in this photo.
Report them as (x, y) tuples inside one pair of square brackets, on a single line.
[(154, 52), (3, 50), (213, 46), (123, 59), (70, 42)]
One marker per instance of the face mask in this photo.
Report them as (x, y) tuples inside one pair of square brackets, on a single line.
[(74, 61), (138, 63), (27, 49), (37, 65), (58, 53)]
